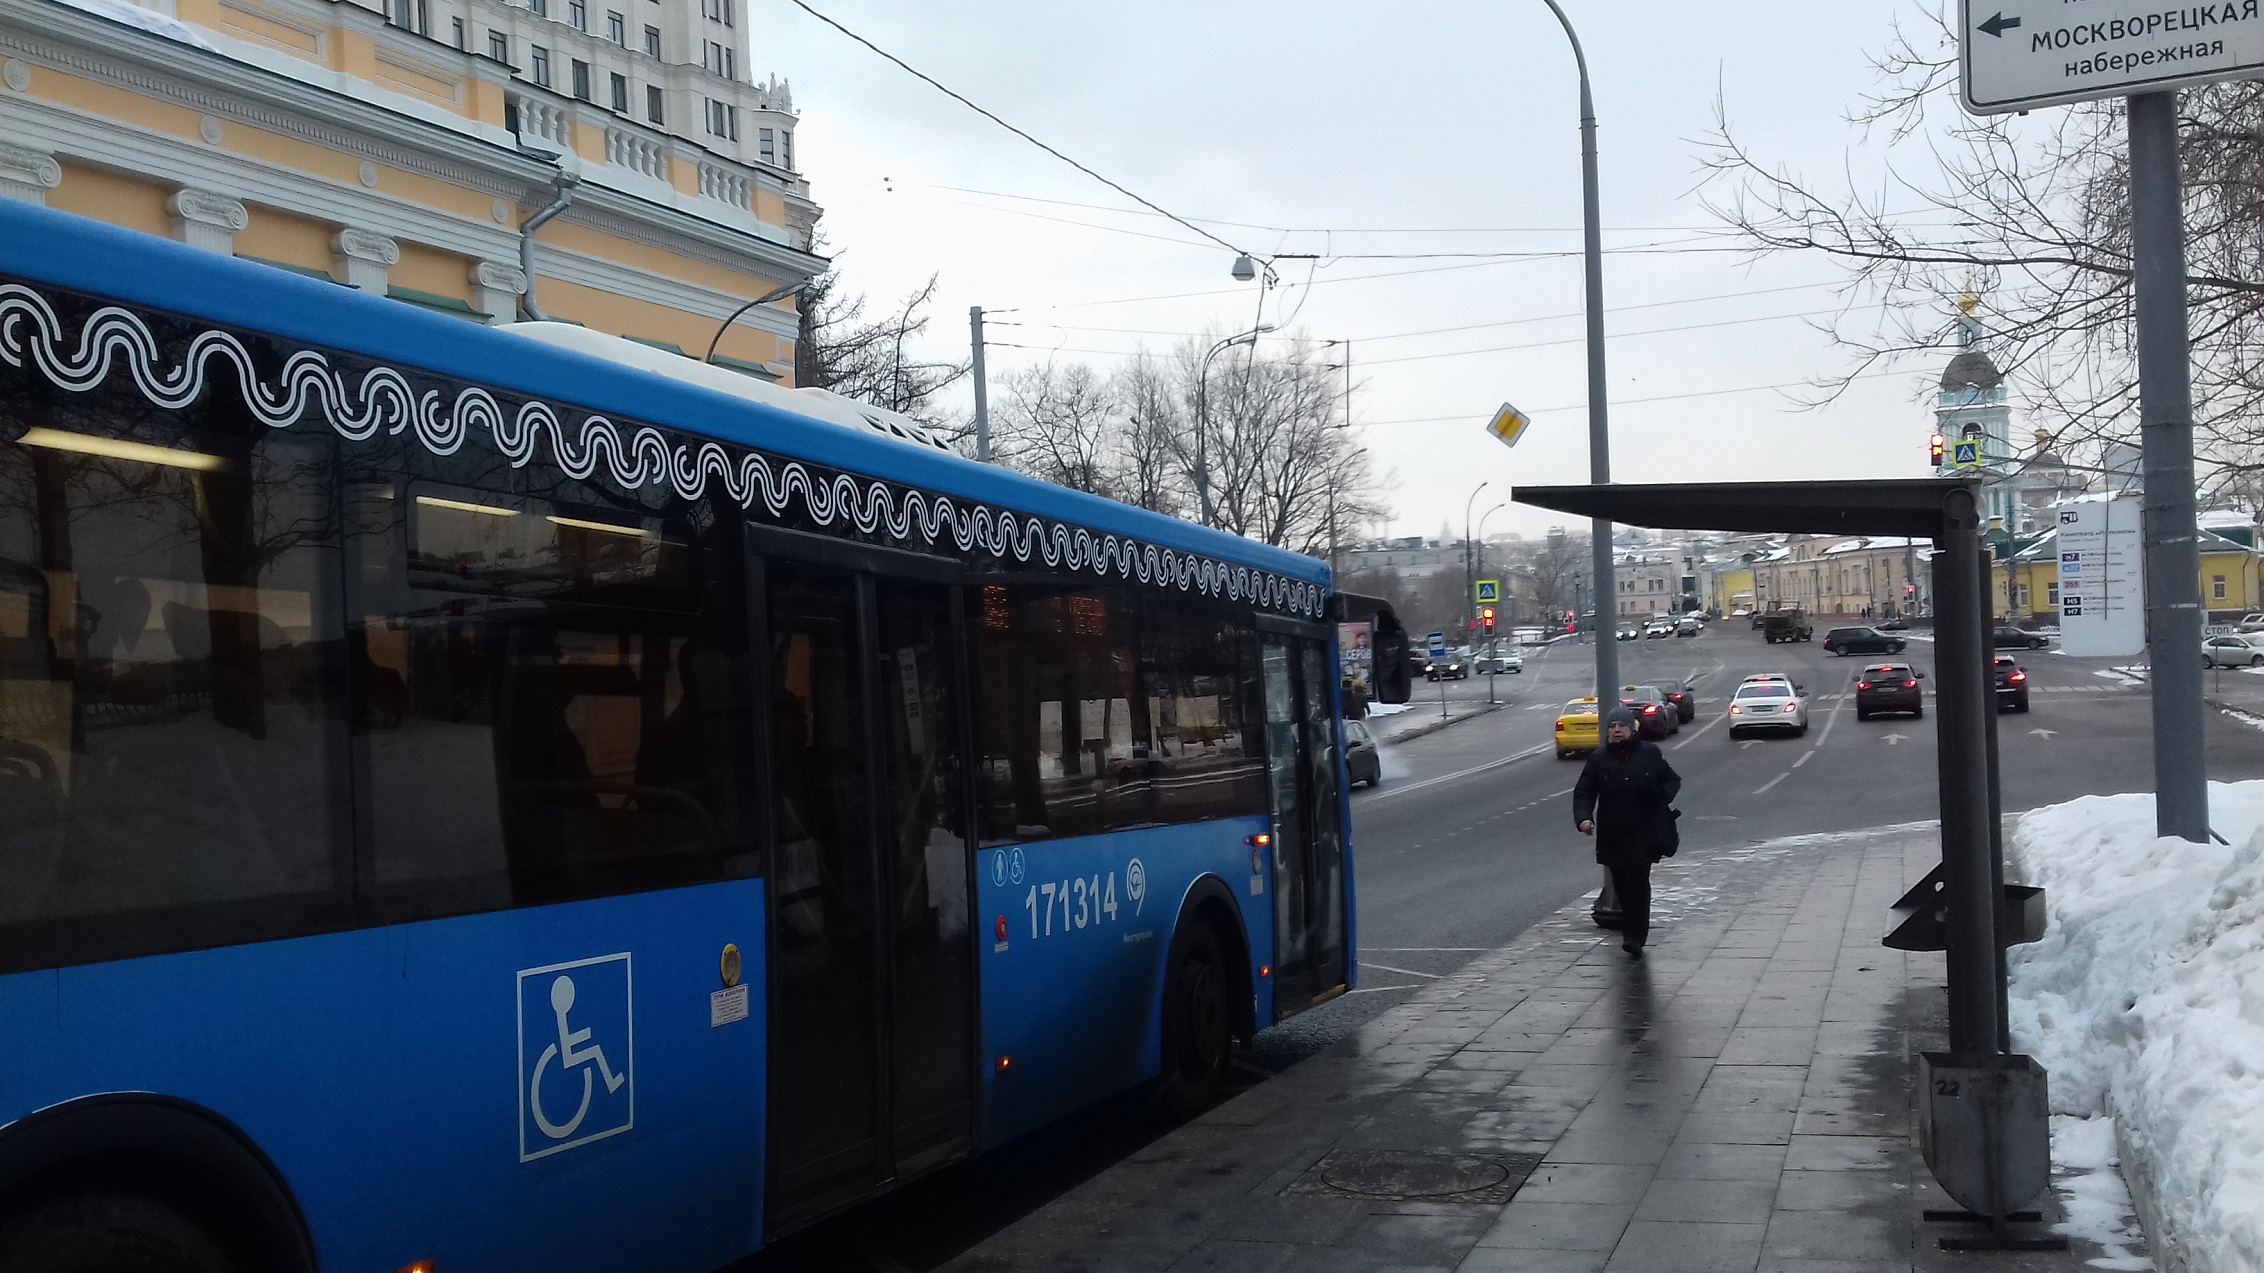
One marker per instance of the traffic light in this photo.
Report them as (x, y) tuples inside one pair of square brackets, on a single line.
[(1934, 446), (1486, 619)]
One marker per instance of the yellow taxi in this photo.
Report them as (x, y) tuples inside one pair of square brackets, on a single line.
[(1576, 728)]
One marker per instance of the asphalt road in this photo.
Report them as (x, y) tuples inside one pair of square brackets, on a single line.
[(1469, 840)]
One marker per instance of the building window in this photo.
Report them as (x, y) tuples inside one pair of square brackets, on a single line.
[(2216, 587), (581, 79), (712, 8), (653, 111), (456, 28), (540, 8), (578, 13), (786, 148), (620, 100), (499, 47), (652, 41), (723, 121), (617, 29), (539, 57), (730, 63), (2052, 595), (766, 144)]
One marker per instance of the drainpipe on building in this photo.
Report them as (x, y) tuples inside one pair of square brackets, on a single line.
[(566, 183)]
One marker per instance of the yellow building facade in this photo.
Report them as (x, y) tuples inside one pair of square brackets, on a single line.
[(404, 149)]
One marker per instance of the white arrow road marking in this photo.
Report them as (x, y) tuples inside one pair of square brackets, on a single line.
[(1892, 739), (2044, 733)]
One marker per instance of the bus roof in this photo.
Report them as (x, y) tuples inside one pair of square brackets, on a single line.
[(44, 246)]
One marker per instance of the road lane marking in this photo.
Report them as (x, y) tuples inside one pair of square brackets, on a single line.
[(1773, 782), (1404, 972), (1699, 732), (1436, 950), (1804, 758), (1464, 773)]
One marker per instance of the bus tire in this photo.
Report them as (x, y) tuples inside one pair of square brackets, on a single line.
[(108, 1233), (1198, 1020)]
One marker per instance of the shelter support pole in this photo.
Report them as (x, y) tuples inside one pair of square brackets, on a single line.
[(1965, 695), (2165, 419)]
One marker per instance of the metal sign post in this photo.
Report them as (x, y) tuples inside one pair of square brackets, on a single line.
[(1435, 645), (2019, 54)]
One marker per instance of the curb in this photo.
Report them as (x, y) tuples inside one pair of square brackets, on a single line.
[(2170, 1253), (1477, 710)]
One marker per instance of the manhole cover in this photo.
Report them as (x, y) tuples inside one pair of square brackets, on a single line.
[(1402, 1175)]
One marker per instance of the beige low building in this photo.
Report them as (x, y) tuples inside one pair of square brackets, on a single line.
[(399, 147)]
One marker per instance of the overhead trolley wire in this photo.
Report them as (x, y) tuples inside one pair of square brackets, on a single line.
[(965, 101)]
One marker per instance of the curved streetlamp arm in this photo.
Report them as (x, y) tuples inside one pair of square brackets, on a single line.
[(776, 294)]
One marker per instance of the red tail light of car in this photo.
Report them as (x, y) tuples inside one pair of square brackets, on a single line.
[(1792, 707), (1735, 710), (1650, 709), (2018, 678), (1910, 684), (1863, 685)]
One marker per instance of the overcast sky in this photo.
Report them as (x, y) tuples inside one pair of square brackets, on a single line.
[(1343, 128)]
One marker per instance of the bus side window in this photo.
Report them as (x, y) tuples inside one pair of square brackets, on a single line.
[(171, 687), (536, 702)]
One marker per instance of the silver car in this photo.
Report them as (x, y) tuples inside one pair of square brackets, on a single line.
[(1770, 706), (2235, 649)]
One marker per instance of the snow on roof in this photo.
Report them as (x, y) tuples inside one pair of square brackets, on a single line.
[(149, 20)]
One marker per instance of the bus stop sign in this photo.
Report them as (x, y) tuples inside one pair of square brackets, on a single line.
[(1436, 644), (2016, 55)]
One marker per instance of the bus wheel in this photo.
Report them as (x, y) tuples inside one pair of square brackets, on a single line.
[(1197, 1022), (108, 1233)]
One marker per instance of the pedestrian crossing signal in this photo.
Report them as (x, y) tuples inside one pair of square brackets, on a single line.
[(1486, 619), (1935, 446)]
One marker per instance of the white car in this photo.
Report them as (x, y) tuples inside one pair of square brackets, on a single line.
[(1491, 663), (1772, 705), (2235, 649)]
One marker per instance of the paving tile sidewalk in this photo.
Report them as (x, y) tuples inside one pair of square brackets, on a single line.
[(1741, 1099)]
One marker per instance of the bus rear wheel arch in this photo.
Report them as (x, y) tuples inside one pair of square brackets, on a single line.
[(137, 1183), (1207, 1002)]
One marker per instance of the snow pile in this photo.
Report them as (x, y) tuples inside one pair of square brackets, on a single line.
[(2098, 1204), (2146, 999), (147, 19), (1388, 709)]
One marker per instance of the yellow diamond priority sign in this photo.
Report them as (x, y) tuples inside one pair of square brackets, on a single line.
[(1509, 424)]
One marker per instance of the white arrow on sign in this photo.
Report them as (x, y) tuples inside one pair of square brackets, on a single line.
[(1892, 739), (2044, 733)]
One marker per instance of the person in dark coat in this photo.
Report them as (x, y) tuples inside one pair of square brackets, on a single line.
[(1623, 799)]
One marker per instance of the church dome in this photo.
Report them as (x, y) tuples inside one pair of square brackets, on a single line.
[(1971, 369)]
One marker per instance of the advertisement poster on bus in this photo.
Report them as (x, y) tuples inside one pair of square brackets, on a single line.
[(1356, 654)]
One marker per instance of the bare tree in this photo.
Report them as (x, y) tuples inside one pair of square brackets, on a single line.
[(2031, 214), (875, 360), (1149, 472), (1058, 424)]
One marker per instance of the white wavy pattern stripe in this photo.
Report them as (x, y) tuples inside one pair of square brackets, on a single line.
[(631, 455)]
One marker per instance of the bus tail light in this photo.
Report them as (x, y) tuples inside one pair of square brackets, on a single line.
[(1265, 970), (421, 1266), (1005, 1063), (1001, 929), (1260, 840)]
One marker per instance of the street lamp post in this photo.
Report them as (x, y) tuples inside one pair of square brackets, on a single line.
[(1202, 413), (775, 294), (1599, 438), (1469, 578)]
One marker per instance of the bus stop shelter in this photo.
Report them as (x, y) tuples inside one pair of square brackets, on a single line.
[(1983, 1113)]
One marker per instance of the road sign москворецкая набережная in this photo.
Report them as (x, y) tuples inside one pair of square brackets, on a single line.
[(2021, 54)]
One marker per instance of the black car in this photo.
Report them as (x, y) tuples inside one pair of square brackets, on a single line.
[(1684, 700), (1896, 624), (2015, 639), (1889, 687), (1654, 716), (1847, 641), (1451, 667), (2012, 685), (1361, 761)]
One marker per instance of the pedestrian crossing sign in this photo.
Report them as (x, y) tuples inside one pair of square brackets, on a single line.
[(1489, 592), (1966, 454)]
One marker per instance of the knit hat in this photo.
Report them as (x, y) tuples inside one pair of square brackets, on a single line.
[(1620, 716)]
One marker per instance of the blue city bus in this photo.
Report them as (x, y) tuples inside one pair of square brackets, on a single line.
[(467, 803)]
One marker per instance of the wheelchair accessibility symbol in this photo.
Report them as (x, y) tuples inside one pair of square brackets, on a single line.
[(577, 1055)]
